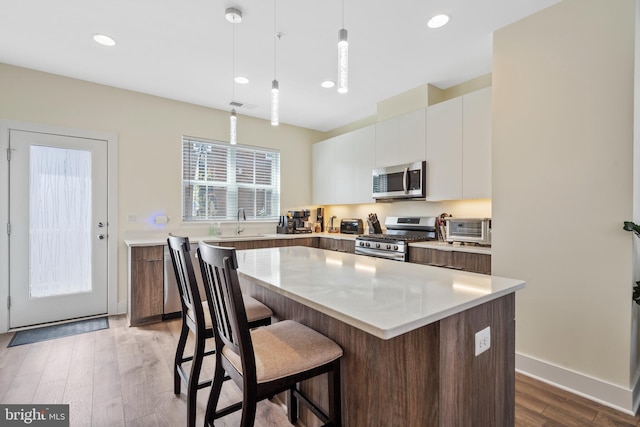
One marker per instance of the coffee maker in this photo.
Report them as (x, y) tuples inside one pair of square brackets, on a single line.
[(294, 222), (320, 218)]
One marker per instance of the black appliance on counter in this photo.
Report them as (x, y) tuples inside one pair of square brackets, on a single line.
[(294, 222), (320, 218), (395, 243), (351, 226)]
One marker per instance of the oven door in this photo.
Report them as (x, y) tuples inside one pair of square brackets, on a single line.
[(400, 182), (367, 248)]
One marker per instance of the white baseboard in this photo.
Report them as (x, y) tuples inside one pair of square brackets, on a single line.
[(122, 307), (619, 398)]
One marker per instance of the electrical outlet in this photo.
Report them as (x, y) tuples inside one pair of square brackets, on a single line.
[(483, 340)]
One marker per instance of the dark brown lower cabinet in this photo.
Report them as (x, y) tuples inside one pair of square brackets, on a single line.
[(146, 284), (339, 245), (270, 243), (467, 261)]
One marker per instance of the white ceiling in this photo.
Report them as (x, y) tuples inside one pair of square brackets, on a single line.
[(183, 49)]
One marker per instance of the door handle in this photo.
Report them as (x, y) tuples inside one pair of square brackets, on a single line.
[(405, 180)]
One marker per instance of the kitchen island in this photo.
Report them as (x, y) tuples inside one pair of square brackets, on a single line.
[(408, 332)]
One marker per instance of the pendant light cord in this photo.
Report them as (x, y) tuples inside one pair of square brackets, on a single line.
[(275, 38), (233, 63)]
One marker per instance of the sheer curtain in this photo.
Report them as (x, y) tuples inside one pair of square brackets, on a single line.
[(59, 221)]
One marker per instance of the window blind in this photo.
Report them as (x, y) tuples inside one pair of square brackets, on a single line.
[(219, 178)]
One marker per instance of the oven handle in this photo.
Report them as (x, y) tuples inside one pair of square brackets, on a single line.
[(396, 256), (405, 180)]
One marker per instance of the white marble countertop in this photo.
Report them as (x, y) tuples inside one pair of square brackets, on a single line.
[(162, 240), (382, 297)]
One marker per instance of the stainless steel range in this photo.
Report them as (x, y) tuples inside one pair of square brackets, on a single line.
[(400, 232)]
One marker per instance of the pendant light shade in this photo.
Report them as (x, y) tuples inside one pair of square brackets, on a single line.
[(232, 126), (343, 62), (275, 103)]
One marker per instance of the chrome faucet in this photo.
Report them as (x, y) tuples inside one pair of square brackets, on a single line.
[(244, 217)]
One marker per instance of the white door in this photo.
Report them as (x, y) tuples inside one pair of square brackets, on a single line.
[(58, 227)]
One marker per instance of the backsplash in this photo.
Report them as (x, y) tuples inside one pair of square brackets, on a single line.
[(480, 208)]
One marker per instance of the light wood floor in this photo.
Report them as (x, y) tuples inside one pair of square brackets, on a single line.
[(122, 376)]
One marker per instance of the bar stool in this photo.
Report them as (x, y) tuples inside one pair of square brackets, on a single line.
[(264, 361), (196, 318)]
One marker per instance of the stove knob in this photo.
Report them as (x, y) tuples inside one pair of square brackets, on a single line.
[(388, 246), (361, 243), (367, 244), (395, 247), (377, 245)]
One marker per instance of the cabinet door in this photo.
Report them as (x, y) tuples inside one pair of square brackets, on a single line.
[(364, 146), (344, 174), (323, 174), (412, 136), (147, 284), (476, 147), (433, 257), (477, 263), (387, 143), (444, 150)]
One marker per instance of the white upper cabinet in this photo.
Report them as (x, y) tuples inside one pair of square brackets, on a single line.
[(459, 147), (401, 139), (476, 148), (412, 137), (444, 150), (323, 175), (342, 166), (364, 143), (386, 143)]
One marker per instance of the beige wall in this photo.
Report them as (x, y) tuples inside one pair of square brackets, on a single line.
[(149, 131), (563, 184)]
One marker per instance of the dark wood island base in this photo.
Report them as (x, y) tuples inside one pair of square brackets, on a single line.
[(426, 377)]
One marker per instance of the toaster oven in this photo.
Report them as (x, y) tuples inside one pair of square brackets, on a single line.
[(469, 230), (351, 226)]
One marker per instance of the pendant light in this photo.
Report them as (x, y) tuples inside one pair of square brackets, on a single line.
[(343, 58), (234, 16), (275, 89)]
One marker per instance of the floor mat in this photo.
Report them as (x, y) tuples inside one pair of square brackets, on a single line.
[(58, 331)]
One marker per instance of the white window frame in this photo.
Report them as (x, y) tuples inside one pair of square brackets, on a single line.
[(231, 202)]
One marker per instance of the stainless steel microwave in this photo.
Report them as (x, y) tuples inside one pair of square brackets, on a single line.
[(406, 181)]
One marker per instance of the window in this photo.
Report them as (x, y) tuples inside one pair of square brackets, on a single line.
[(219, 178)]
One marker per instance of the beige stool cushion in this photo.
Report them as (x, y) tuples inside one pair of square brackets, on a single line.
[(255, 311), (286, 348)]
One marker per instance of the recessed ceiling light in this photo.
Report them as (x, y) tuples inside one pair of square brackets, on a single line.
[(104, 40), (438, 21), (241, 80), (328, 84), (233, 15)]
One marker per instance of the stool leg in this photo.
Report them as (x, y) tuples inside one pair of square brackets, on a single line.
[(182, 341), (194, 378), (292, 406)]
